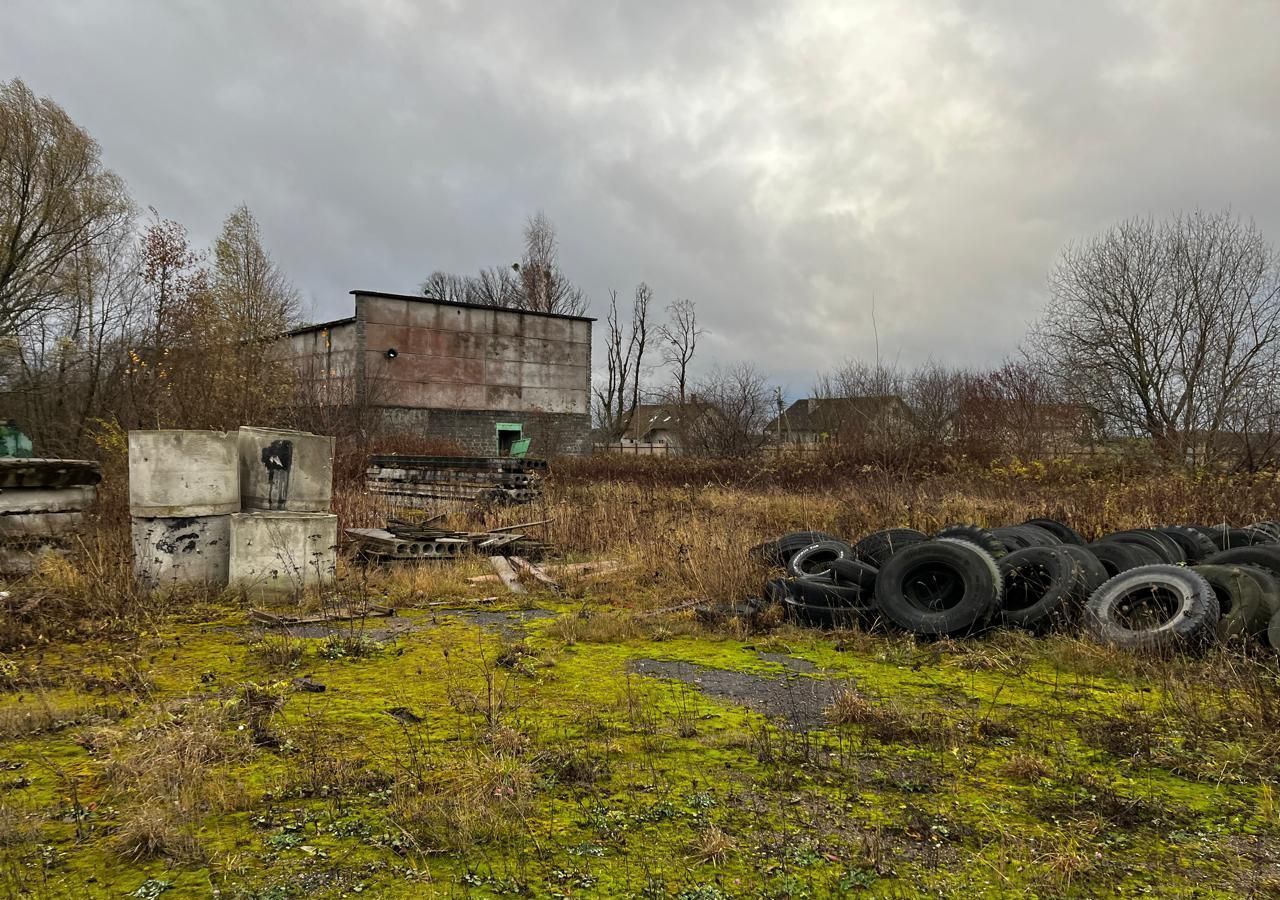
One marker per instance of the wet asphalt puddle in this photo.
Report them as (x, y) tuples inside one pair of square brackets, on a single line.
[(794, 700)]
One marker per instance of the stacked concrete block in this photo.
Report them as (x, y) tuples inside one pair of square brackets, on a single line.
[(284, 540), (183, 488), (42, 504)]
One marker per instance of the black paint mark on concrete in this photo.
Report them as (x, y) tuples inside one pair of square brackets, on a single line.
[(278, 458)]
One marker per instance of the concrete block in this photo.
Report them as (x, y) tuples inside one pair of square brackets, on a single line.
[(34, 500), (40, 524), (189, 550), (183, 473), (285, 470), (24, 558), (546, 375), (282, 553)]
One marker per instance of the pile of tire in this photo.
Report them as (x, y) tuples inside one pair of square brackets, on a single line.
[(1169, 588)]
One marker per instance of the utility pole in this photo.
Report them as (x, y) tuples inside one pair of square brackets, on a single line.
[(777, 395)]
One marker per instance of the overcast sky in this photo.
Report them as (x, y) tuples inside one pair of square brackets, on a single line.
[(780, 164)]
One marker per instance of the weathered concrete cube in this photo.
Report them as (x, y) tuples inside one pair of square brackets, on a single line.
[(280, 554), (175, 473), (185, 550), (285, 470)]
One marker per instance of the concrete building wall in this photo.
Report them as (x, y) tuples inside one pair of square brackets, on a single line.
[(466, 358), (457, 370)]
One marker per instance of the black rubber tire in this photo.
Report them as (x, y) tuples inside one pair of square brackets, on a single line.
[(1271, 528), (1225, 538), (1093, 574), (1041, 588), (939, 588), (1061, 530), (1242, 613), (819, 591), (792, 543), (855, 573), (820, 616), (1165, 548), (817, 558), (878, 547), (1117, 557), (1182, 606), (1273, 632), (980, 537), (1268, 584), (1264, 556), (1020, 537), (1195, 544), (777, 590)]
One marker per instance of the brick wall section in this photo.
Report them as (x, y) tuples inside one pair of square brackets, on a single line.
[(476, 430)]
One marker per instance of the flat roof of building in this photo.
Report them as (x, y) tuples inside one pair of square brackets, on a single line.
[(420, 299), (350, 320)]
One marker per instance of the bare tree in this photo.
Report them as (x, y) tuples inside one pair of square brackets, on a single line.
[(546, 288), (56, 200), (733, 410), (1169, 330), (679, 335), (625, 343), (535, 283)]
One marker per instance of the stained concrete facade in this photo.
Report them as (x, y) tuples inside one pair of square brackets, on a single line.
[(456, 371)]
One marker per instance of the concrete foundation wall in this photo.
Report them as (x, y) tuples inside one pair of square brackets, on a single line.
[(475, 431)]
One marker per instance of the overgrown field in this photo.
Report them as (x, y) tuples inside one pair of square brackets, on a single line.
[(588, 744)]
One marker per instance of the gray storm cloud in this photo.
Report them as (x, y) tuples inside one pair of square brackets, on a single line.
[(782, 165)]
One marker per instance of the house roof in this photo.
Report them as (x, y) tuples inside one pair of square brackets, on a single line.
[(418, 298), (663, 416), (823, 414)]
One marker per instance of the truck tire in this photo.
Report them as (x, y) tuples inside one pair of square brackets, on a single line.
[(1154, 609), (938, 588)]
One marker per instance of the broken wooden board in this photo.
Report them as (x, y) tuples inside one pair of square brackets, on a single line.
[(508, 575), (573, 570), (275, 620), (536, 571)]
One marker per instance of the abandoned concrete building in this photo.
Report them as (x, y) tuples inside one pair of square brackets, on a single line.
[(480, 377)]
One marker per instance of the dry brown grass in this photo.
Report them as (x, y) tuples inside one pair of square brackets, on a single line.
[(167, 777), (472, 799), (712, 846)]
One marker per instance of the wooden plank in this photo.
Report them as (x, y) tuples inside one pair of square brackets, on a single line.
[(583, 570), (536, 571), (522, 525), (507, 574)]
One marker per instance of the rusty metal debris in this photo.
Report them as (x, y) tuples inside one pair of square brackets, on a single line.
[(417, 480)]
